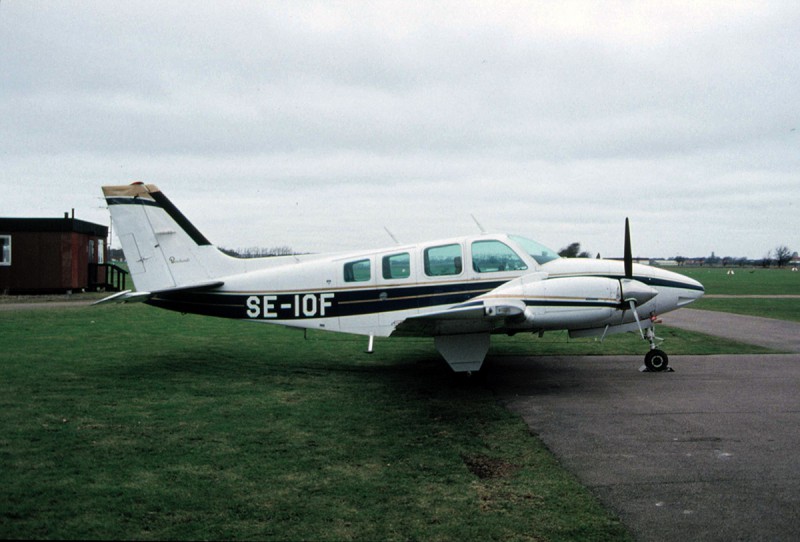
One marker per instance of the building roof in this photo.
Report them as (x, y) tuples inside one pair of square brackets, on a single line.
[(25, 225)]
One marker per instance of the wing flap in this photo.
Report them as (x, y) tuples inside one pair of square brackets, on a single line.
[(472, 317)]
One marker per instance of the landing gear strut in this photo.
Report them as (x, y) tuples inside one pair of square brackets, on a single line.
[(655, 360)]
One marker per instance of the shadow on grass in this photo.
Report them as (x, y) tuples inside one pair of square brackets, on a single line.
[(133, 423)]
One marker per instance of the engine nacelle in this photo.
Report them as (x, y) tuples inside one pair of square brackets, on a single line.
[(562, 302)]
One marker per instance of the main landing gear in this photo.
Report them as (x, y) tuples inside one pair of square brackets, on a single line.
[(655, 361)]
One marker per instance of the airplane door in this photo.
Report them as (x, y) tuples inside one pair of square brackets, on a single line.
[(397, 293), (358, 296)]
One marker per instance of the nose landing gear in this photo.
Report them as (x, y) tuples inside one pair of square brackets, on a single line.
[(656, 360)]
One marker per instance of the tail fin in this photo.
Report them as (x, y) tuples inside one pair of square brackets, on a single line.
[(164, 250)]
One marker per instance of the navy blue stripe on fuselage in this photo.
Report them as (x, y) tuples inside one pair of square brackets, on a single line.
[(650, 281), (320, 303), (334, 303), (664, 283)]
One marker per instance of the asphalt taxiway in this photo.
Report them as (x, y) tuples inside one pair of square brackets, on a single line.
[(708, 452)]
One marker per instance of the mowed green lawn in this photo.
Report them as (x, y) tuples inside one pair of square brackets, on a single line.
[(127, 422), (747, 282)]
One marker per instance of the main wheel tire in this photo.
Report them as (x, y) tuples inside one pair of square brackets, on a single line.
[(656, 360)]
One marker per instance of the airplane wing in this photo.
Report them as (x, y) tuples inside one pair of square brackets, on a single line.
[(479, 316), (129, 296)]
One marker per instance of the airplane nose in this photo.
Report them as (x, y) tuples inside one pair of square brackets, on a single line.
[(696, 287), (692, 290)]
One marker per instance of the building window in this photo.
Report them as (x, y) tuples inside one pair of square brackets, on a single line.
[(5, 250), (397, 266), (358, 271), (443, 260)]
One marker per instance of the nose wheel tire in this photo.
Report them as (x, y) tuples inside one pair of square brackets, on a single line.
[(656, 360)]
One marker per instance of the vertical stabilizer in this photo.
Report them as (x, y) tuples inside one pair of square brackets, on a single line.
[(163, 249)]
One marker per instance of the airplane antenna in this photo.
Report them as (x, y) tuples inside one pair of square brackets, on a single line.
[(480, 226), (396, 242)]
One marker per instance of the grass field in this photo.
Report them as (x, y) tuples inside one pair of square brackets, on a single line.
[(745, 281), (748, 282), (126, 422)]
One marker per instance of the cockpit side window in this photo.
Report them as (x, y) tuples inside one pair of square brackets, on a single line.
[(493, 256), (537, 251)]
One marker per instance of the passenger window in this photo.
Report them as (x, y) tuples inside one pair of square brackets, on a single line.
[(494, 257), (397, 266), (443, 260), (358, 271)]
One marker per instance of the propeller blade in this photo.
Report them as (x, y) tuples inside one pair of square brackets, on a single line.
[(636, 315), (628, 251)]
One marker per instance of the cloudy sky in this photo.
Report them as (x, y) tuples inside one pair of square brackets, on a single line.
[(318, 124)]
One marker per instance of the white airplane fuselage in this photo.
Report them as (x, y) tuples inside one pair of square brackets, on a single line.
[(459, 290)]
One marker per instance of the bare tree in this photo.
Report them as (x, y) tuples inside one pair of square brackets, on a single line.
[(782, 255), (258, 252)]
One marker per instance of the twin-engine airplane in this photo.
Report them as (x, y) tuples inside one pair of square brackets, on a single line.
[(459, 291)]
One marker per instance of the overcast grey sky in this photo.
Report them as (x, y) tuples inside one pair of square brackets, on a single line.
[(317, 124)]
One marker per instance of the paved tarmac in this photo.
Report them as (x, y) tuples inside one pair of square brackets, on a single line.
[(708, 452), (776, 334)]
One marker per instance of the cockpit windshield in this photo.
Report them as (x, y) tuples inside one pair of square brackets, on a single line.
[(538, 252)]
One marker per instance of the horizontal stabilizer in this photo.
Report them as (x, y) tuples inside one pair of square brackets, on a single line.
[(129, 296), (125, 296), (210, 285)]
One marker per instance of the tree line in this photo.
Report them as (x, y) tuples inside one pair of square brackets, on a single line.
[(258, 252), (116, 254), (780, 256)]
